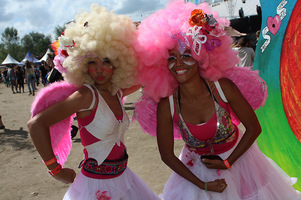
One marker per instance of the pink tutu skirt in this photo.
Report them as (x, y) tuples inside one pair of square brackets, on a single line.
[(127, 186), (252, 177)]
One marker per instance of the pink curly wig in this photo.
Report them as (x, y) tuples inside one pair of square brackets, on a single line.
[(156, 35)]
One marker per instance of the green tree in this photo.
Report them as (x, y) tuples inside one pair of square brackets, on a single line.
[(58, 31), (36, 43), (10, 36), (3, 53), (11, 43)]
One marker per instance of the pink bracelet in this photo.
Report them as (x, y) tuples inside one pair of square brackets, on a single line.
[(227, 164)]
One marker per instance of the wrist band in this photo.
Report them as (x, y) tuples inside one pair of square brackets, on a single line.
[(51, 161), (56, 170), (227, 164), (205, 186)]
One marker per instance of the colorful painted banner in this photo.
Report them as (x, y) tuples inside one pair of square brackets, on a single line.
[(278, 59)]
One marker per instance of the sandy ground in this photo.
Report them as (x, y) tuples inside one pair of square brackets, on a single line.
[(24, 176)]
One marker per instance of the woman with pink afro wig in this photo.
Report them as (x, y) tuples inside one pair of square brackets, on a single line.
[(163, 31), (185, 55)]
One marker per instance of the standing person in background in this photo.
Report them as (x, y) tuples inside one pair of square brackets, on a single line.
[(20, 79), (37, 74), (30, 77), (53, 74), (5, 76), (245, 53), (43, 71), (254, 44), (184, 52), (102, 63), (12, 78)]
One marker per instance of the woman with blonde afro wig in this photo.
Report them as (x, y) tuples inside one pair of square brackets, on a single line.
[(99, 63), (106, 35)]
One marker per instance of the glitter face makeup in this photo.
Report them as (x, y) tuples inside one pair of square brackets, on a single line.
[(107, 65), (170, 65), (189, 62), (186, 58), (108, 69)]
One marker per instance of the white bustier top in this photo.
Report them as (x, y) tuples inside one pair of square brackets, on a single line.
[(107, 128)]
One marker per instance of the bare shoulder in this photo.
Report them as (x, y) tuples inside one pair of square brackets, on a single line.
[(230, 89), (226, 84), (164, 117), (163, 109), (85, 91), (163, 103), (83, 97)]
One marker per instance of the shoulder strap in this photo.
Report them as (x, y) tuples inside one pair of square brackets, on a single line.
[(171, 104), (220, 91), (93, 101), (119, 94)]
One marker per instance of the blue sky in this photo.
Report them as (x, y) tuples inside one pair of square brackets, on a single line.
[(44, 15)]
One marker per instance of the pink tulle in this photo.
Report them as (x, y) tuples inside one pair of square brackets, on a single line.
[(59, 132), (248, 82)]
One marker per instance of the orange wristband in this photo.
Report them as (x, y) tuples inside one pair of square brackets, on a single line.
[(56, 170), (227, 164), (51, 161)]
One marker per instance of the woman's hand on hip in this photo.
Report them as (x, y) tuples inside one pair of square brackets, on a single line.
[(66, 175)]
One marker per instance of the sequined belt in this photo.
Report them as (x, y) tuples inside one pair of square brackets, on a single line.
[(107, 169)]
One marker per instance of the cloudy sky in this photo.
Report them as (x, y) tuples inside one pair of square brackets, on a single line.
[(44, 15)]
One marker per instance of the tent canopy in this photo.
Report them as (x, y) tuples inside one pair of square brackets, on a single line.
[(30, 58), (9, 60), (44, 58)]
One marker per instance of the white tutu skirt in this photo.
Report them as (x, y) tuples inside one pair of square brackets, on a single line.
[(127, 186), (252, 177)]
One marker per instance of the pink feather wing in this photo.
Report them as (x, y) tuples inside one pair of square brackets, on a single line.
[(146, 115), (251, 85), (59, 132)]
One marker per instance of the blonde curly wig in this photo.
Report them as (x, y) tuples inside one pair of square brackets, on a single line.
[(107, 35)]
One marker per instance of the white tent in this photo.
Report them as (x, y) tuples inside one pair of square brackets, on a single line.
[(44, 58), (9, 60)]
